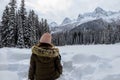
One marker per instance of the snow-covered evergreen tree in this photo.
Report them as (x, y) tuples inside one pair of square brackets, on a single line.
[(117, 34), (34, 28), (12, 25), (20, 30), (29, 27), (20, 40), (31, 24), (37, 27), (44, 26), (23, 15), (5, 27), (27, 33)]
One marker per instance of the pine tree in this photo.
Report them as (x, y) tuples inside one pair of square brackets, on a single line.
[(5, 28), (44, 26), (20, 40), (31, 24), (23, 14), (21, 30), (17, 26), (12, 27), (117, 34), (29, 29), (33, 28), (37, 27)]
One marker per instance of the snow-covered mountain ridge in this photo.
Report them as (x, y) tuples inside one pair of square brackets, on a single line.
[(98, 13)]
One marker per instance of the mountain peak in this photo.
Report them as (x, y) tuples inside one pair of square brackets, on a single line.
[(53, 24), (66, 20), (99, 10), (80, 17)]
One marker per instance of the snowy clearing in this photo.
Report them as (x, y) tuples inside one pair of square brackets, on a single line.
[(80, 62)]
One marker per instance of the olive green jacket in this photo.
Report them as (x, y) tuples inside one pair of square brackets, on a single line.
[(45, 63)]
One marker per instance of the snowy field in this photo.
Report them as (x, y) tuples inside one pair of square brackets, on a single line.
[(80, 62)]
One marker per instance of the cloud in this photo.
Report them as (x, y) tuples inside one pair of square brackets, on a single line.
[(57, 10), (50, 5), (53, 10)]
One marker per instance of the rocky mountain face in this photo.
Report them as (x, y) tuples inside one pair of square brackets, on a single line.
[(66, 21), (98, 24), (97, 27), (98, 14), (53, 24)]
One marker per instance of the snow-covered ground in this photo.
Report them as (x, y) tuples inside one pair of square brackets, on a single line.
[(80, 62)]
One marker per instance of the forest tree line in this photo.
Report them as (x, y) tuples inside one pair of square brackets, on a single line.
[(19, 28), (108, 35)]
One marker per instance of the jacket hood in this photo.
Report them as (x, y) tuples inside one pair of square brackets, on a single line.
[(43, 52)]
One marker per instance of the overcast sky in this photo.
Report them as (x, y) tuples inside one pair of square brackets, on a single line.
[(57, 10)]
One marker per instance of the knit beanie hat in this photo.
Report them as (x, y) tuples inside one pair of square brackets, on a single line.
[(46, 38)]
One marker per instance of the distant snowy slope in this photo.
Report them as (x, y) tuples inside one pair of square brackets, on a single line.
[(53, 24), (98, 13), (66, 20), (80, 62)]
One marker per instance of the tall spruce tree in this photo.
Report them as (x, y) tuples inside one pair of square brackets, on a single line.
[(27, 33), (12, 27), (20, 30), (17, 26), (44, 26), (31, 27), (5, 28), (20, 40), (37, 27), (23, 15)]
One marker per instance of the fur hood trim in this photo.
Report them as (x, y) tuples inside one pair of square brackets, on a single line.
[(53, 52)]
